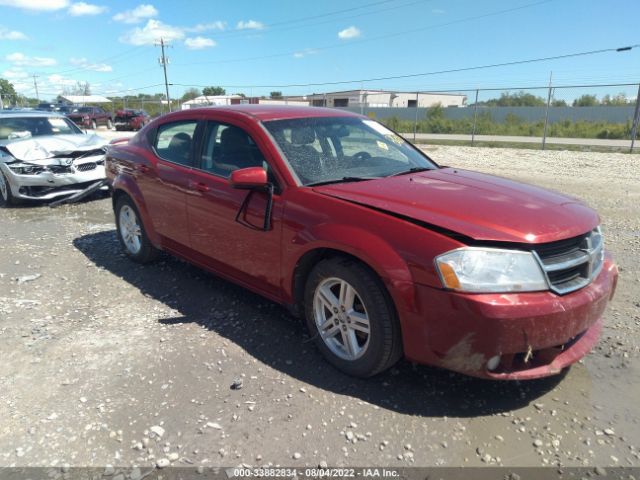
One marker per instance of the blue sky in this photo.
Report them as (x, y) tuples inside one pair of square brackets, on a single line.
[(256, 46)]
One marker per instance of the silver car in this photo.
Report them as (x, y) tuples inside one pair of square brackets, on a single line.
[(44, 156)]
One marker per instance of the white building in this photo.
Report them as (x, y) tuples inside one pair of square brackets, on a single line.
[(381, 98), (210, 100)]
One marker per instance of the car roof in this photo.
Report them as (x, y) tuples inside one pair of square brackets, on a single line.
[(280, 112), (28, 113)]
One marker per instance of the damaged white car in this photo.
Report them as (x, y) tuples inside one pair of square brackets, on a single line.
[(44, 156)]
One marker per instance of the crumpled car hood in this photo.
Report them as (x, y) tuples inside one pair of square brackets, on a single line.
[(46, 149), (476, 205)]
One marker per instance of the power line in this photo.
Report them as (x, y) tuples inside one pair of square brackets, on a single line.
[(438, 72), (85, 68), (372, 39), (277, 25)]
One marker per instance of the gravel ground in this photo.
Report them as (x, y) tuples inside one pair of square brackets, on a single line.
[(105, 362)]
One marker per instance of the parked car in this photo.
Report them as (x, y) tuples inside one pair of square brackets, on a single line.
[(129, 119), (384, 252), (45, 156), (90, 117)]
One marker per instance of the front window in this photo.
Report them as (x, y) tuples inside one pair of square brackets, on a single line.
[(324, 150), (25, 127)]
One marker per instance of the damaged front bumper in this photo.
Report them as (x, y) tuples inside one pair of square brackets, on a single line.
[(48, 184), (511, 336), (50, 167)]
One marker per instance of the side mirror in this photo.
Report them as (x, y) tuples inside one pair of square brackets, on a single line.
[(248, 178)]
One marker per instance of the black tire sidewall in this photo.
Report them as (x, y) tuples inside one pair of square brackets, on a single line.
[(381, 312), (10, 198)]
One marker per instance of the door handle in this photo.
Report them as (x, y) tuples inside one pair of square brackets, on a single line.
[(143, 168), (199, 186)]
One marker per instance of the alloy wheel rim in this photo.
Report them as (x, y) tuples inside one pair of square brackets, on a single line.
[(341, 318), (130, 230)]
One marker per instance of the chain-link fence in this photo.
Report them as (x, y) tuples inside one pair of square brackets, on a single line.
[(589, 116)]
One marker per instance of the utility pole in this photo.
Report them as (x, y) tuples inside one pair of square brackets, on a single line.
[(35, 84), (163, 61), (546, 113), (636, 121)]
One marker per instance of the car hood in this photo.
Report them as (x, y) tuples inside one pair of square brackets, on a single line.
[(35, 149), (476, 205)]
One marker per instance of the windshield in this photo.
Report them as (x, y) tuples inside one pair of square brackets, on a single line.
[(24, 127), (343, 149)]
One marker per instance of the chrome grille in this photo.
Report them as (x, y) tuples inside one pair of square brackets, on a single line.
[(86, 167), (571, 264)]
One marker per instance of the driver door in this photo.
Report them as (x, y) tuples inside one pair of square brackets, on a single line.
[(231, 239)]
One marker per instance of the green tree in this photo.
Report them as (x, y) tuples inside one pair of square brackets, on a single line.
[(586, 101), (518, 99), (275, 95), (190, 94), (9, 95), (212, 91), (615, 101), (558, 103)]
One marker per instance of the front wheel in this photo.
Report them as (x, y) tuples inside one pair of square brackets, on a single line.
[(5, 191), (352, 318), (131, 233)]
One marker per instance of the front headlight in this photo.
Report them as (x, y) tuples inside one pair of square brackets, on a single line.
[(25, 169), (490, 270)]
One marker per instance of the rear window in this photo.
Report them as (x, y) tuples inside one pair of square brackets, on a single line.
[(174, 141)]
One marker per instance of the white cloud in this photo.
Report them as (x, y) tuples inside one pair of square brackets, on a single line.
[(22, 60), (151, 33), (249, 25), (438, 11), (58, 82), (198, 43), (349, 33), (41, 5), (14, 73), (6, 34), (82, 8), (86, 65), (137, 15), (203, 27), (304, 53)]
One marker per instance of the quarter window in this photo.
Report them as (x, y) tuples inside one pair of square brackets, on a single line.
[(174, 141)]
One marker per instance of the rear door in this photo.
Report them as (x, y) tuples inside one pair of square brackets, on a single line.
[(165, 181), (230, 236)]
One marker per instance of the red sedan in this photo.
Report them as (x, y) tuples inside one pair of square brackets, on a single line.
[(382, 251)]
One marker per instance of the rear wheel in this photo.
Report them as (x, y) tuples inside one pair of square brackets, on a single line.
[(131, 233), (5, 191), (351, 317)]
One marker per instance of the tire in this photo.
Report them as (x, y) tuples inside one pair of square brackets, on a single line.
[(131, 233), (109, 124), (361, 333), (94, 125), (6, 196)]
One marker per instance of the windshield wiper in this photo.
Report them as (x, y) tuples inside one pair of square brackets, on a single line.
[(411, 170), (340, 180)]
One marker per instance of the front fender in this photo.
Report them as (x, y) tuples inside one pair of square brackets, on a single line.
[(130, 187), (367, 247)]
